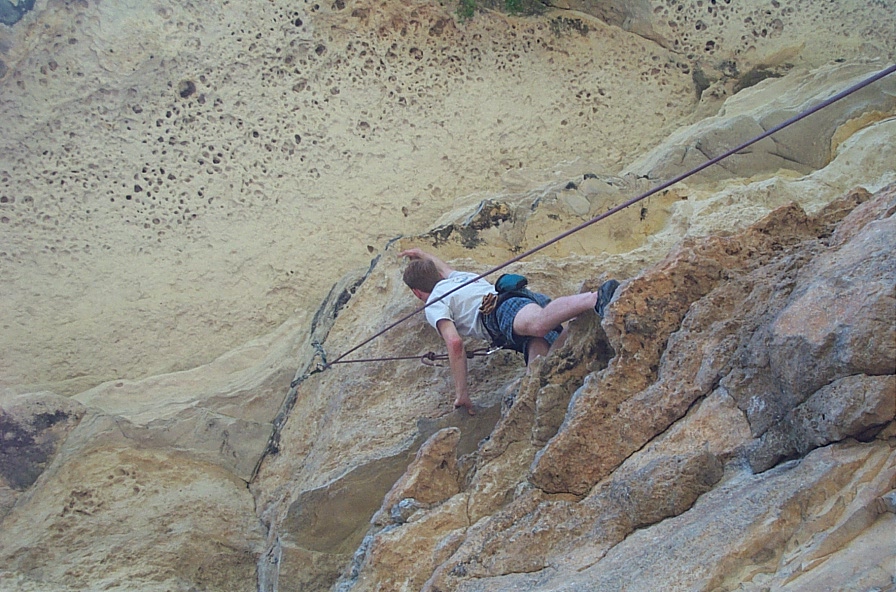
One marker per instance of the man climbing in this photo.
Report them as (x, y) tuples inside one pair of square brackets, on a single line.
[(524, 321)]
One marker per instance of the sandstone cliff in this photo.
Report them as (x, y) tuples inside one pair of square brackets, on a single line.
[(200, 203)]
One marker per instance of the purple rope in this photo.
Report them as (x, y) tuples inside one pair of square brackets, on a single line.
[(826, 103)]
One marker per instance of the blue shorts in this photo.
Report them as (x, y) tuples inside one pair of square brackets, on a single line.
[(500, 322)]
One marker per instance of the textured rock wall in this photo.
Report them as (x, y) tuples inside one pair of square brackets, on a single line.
[(743, 39), (667, 381), (181, 167), (668, 471), (271, 150), (209, 147)]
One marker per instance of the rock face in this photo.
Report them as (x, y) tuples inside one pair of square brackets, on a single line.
[(33, 428), (744, 42), (110, 512), (670, 440), (149, 146), (200, 208)]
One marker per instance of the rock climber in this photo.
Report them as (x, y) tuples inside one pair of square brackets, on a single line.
[(524, 321)]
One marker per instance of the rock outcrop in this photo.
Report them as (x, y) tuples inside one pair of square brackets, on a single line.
[(670, 440), (202, 205)]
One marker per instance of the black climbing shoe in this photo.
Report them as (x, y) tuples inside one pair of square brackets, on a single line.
[(604, 295)]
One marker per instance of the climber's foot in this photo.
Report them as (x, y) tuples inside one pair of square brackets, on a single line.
[(604, 296)]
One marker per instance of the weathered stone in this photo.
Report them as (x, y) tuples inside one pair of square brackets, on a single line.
[(867, 210), (497, 484), (539, 404), (32, 428), (713, 425), (195, 284), (834, 323), (12, 12), (849, 407), (404, 557), (750, 531), (741, 41), (334, 518), (106, 511), (839, 321), (888, 502), (162, 204), (524, 537), (431, 478), (748, 115), (402, 511), (848, 214), (595, 188), (577, 204), (621, 408), (720, 321), (234, 444)]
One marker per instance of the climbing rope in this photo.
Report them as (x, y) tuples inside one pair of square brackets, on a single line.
[(824, 104), (430, 358)]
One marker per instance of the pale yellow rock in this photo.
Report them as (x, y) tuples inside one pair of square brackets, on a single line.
[(744, 40), (107, 515), (496, 483), (182, 186), (200, 219), (432, 477), (577, 204), (408, 555)]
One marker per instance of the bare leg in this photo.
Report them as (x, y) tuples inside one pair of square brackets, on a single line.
[(534, 321), (538, 346)]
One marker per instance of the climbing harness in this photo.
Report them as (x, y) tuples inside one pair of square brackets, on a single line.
[(431, 358), (509, 286), (800, 116)]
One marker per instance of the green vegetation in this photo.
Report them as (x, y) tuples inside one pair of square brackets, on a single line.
[(466, 9), (514, 6)]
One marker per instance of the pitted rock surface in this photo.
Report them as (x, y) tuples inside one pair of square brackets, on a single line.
[(203, 204)]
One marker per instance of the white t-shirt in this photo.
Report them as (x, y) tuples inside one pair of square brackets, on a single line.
[(461, 307)]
